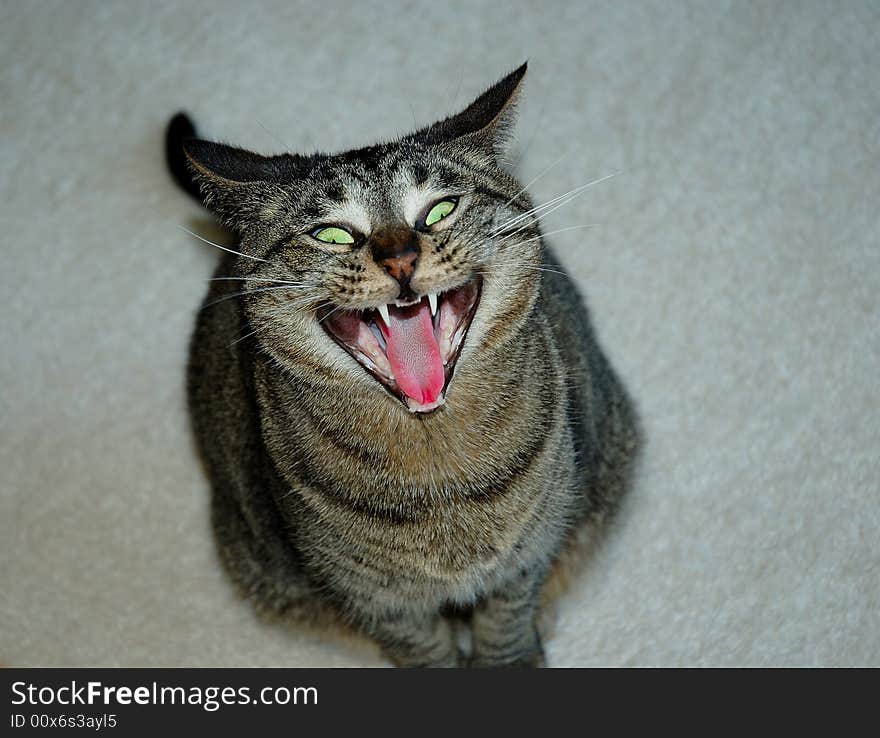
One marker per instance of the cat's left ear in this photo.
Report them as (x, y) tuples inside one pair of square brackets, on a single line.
[(487, 122), (235, 183)]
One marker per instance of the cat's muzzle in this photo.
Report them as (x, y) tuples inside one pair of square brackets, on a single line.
[(410, 348)]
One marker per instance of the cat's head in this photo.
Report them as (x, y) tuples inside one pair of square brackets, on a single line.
[(401, 259)]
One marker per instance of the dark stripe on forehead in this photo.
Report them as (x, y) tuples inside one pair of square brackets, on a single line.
[(419, 173), (312, 211), (369, 157), (482, 181), (335, 192), (356, 175), (492, 193), (448, 178), (393, 161)]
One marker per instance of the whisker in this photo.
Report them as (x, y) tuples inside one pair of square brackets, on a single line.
[(259, 279), (338, 307), (239, 340), (540, 217), (300, 302), (526, 266), (217, 245), (531, 182), (525, 215), (555, 201), (324, 304), (284, 307), (550, 233), (278, 308), (543, 269), (244, 292)]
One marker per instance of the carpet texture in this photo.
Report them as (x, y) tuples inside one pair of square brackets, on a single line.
[(733, 275)]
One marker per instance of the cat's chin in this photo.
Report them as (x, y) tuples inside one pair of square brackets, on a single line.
[(410, 349), (425, 407)]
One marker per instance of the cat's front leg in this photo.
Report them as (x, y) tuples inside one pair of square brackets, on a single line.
[(503, 626), (412, 639)]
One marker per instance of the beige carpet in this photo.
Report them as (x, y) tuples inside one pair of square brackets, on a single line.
[(734, 280)]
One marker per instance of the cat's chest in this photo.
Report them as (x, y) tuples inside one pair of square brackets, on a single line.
[(450, 552), (438, 504), (439, 511), (447, 542)]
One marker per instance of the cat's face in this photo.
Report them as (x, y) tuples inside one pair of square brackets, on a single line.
[(403, 259)]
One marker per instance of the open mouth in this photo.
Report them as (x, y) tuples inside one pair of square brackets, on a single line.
[(410, 348)]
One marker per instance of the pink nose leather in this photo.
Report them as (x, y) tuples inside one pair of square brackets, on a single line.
[(401, 267), (396, 249)]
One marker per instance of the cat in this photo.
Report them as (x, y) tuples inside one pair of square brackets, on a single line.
[(401, 405)]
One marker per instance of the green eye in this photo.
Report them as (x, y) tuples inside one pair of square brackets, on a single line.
[(440, 211), (333, 234)]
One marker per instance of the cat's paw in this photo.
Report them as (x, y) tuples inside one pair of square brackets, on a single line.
[(531, 659)]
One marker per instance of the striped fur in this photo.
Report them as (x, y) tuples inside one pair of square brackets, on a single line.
[(329, 495)]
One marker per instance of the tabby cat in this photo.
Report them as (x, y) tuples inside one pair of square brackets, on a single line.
[(402, 408)]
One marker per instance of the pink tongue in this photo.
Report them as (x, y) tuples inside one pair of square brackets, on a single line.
[(413, 352)]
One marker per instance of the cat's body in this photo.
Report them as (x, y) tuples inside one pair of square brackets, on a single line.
[(384, 504)]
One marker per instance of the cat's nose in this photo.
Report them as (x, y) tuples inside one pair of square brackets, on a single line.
[(397, 251), (401, 267)]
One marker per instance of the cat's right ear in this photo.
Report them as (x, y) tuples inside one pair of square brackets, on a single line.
[(487, 122), (236, 184)]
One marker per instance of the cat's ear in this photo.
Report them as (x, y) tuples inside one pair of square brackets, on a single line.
[(487, 122), (236, 183)]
